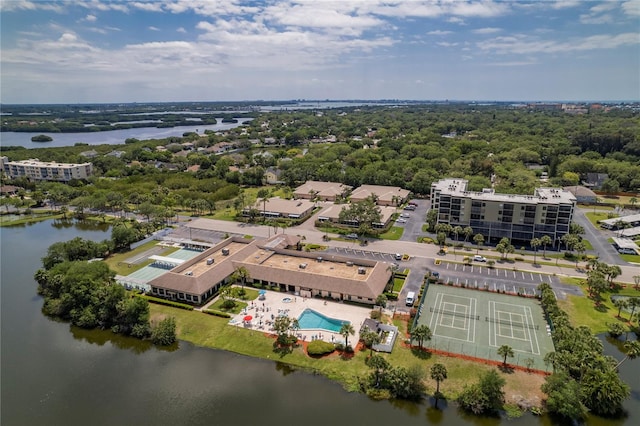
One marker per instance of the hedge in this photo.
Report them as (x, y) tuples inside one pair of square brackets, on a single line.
[(216, 313), (320, 347), (165, 302), (391, 296)]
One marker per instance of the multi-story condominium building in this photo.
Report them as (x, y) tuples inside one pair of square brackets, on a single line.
[(518, 217), (37, 170)]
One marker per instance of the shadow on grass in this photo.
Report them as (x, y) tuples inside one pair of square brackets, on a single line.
[(421, 353), (282, 350)]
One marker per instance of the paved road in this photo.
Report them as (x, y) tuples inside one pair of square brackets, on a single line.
[(598, 239)]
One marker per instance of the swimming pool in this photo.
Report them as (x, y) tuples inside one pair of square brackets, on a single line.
[(310, 319)]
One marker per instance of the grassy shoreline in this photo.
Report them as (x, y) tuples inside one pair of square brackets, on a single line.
[(215, 333)]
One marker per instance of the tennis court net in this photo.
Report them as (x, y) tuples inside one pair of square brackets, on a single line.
[(513, 324), (454, 314)]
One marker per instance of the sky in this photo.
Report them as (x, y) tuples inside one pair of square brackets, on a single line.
[(236, 50)]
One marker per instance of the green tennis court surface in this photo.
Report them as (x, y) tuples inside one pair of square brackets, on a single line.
[(476, 323)]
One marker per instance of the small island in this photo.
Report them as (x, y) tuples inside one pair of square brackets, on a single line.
[(41, 138)]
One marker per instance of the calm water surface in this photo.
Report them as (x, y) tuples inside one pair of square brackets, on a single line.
[(112, 137), (54, 374)]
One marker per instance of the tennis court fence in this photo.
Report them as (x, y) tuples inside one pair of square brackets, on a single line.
[(454, 314)]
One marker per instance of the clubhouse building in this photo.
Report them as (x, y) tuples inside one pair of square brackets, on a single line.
[(273, 262)]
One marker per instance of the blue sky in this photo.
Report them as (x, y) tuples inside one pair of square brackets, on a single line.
[(223, 50)]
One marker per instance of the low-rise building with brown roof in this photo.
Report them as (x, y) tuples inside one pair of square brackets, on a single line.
[(280, 207), (271, 262), (332, 214), (384, 195), (325, 191), (582, 194)]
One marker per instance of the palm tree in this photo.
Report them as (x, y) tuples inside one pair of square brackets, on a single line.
[(468, 232), (545, 240), (370, 338), (241, 274), (421, 333), (381, 301), (636, 281), (535, 243), (633, 351), (345, 331), (633, 302), (620, 304), (505, 351), (479, 240), (439, 374), (633, 201)]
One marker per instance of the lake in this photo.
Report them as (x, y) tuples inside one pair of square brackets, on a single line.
[(54, 374), (111, 137)]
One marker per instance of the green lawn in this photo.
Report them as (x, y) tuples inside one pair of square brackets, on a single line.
[(29, 219), (214, 332), (398, 283), (217, 305), (595, 217), (117, 261), (393, 234), (633, 258)]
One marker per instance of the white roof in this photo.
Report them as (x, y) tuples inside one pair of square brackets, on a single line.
[(166, 259)]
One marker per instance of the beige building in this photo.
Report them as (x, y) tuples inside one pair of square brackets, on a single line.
[(332, 214), (325, 191), (272, 262), (385, 195), (37, 170), (279, 207), (518, 217)]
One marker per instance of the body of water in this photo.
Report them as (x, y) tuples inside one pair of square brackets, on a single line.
[(111, 137), (55, 374)]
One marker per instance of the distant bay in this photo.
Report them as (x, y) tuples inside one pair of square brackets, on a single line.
[(112, 137)]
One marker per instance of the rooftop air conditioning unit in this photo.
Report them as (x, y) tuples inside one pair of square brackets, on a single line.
[(302, 265), (349, 263), (209, 261), (189, 273), (225, 252), (361, 271)]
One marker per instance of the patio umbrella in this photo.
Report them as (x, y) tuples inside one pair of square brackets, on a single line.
[(248, 318), (262, 292)]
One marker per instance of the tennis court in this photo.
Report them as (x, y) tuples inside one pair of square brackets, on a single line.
[(476, 323)]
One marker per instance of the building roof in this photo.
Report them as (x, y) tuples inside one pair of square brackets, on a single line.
[(580, 191), (333, 212), (322, 189), (281, 206), (266, 260), (458, 187), (625, 243), (632, 218), (383, 193)]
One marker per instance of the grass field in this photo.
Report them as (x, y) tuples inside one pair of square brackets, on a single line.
[(393, 234), (213, 332)]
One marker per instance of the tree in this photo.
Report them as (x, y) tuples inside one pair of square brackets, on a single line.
[(164, 333), (579, 247), (345, 330), (603, 391), (634, 302), (241, 274), (365, 214), (479, 240), (633, 201), (636, 282), (486, 396), (421, 333), (381, 301), (505, 351), (620, 303), (545, 240), (535, 243), (438, 373), (370, 338), (563, 396), (122, 237), (380, 366), (468, 232), (632, 351)]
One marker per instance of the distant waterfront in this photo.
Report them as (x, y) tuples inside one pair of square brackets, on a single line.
[(113, 137)]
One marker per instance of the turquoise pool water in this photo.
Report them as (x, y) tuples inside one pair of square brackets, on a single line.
[(310, 319)]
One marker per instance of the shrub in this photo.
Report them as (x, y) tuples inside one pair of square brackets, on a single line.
[(391, 296), (518, 258), (165, 302), (375, 314), (164, 333), (320, 347), (228, 304), (216, 313)]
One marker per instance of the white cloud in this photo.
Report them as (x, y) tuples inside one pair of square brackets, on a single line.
[(604, 7), (563, 4), (90, 18), (456, 20), (601, 19), (524, 45), (152, 28), (181, 30), (13, 5), (149, 7), (487, 30), (439, 32), (446, 44), (631, 7)]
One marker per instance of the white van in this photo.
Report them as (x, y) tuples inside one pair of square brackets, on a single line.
[(411, 297)]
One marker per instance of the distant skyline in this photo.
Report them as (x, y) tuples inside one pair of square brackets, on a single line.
[(233, 50)]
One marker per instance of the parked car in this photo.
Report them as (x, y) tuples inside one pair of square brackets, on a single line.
[(398, 256), (405, 215), (351, 236), (401, 220), (478, 258)]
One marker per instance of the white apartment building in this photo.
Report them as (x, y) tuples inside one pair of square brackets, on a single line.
[(37, 170), (518, 217)]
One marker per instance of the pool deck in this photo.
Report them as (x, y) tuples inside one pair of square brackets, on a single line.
[(273, 304)]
